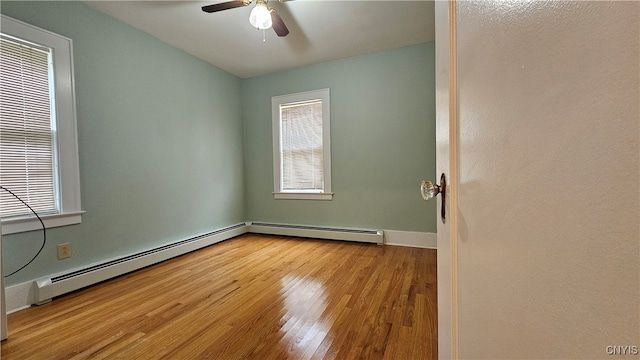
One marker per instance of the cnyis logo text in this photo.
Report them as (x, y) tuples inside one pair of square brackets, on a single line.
[(622, 350)]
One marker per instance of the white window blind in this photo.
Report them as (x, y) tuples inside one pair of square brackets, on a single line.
[(302, 156), (26, 128)]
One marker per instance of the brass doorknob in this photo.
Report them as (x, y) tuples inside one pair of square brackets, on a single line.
[(429, 190)]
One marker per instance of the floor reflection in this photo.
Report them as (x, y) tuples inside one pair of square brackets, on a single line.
[(304, 302)]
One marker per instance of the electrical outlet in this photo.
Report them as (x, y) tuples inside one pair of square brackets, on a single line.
[(64, 251)]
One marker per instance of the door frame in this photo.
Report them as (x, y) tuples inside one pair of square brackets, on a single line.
[(447, 163)]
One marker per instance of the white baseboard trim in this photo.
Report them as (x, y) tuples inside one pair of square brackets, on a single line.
[(22, 296), (49, 287), (318, 232), (411, 238), (19, 296)]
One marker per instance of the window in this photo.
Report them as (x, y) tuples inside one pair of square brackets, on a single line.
[(38, 142), (301, 146)]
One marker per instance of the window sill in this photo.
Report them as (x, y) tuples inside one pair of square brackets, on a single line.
[(302, 196), (12, 226)]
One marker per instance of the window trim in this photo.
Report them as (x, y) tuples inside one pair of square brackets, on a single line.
[(276, 101), (68, 191)]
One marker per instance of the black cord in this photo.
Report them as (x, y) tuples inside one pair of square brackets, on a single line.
[(44, 230)]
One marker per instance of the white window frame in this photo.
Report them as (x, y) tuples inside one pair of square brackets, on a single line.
[(276, 102), (66, 139)]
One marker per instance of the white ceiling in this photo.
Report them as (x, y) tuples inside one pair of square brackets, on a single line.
[(320, 30)]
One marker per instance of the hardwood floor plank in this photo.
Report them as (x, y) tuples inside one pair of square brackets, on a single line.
[(116, 346), (251, 297)]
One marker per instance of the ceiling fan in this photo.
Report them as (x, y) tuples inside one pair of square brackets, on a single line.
[(261, 17)]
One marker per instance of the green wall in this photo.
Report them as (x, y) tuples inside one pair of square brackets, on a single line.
[(382, 141), (171, 147), (160, 143)]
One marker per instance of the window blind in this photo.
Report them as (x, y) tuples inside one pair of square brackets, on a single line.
[(26, 131), (302, 157)]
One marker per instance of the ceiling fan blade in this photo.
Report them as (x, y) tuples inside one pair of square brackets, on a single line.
[(225, 6), (278, 25)]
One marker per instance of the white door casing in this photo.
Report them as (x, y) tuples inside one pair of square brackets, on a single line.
[(543, 258), (445, 115)]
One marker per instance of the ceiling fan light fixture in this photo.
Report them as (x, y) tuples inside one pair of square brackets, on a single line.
[(260, 18)]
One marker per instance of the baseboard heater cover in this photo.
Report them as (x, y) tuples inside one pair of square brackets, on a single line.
[(318, 232), (50, 287)]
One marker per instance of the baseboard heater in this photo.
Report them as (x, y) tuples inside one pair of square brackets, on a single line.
[(318, 232), (48, 288)]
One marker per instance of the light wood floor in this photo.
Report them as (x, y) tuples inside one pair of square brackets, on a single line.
[(255, 296)]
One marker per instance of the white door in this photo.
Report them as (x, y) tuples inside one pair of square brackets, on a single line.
[(541, 258)]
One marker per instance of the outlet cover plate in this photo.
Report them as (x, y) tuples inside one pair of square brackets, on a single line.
[(64, 251)]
